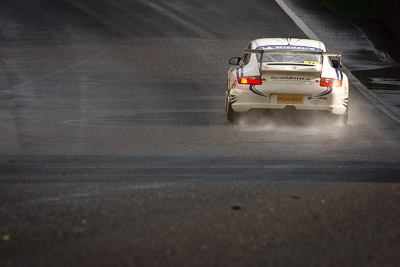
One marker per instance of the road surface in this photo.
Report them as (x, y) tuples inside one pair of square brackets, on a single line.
[(115, 150)]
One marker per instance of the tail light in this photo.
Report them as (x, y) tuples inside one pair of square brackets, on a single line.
[(329, 82), (250, 80)]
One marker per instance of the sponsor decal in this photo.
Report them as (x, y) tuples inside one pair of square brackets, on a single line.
[(337, 74), (345, 103), (290, 78), (326, 92), (233, 99), (289, 47), (254, 90)]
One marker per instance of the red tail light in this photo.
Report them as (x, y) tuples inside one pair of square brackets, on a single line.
[(250, 80), (329, 82)]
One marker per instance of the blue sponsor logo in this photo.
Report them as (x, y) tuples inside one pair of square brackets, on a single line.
[(289, 48)]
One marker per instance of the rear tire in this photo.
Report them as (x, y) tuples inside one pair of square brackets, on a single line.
[(231, 115)]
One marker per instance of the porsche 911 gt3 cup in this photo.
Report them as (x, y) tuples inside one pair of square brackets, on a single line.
[(287, 73)]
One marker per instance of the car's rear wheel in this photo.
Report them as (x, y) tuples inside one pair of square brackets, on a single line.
[(231, 115)]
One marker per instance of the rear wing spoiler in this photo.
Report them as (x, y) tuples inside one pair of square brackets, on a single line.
[(289, 52)]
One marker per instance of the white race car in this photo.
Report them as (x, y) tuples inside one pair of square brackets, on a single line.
[(287, 73)]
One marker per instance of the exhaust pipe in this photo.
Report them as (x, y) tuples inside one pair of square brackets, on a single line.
[(290, 108)]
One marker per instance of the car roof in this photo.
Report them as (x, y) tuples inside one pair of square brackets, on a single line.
[(292, 42)]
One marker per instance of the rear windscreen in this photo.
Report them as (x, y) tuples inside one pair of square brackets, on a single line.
[(291, 59)]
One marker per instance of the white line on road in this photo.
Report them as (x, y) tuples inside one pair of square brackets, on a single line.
[(179, 19), (297, 20)]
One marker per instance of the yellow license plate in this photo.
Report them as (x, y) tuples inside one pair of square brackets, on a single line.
[(289, 99)]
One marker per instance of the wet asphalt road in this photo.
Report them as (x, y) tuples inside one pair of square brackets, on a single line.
[(115, 151)]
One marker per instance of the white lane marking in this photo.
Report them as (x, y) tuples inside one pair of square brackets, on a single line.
[(179, 19), (393, 81), (297, 20)]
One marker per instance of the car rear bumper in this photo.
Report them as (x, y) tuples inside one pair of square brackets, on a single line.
[(334, 109), (245, 100)]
